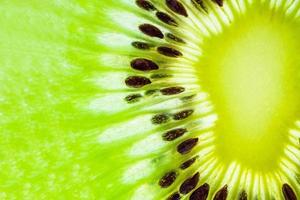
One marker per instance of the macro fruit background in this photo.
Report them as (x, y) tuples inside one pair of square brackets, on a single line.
[(160, 99)]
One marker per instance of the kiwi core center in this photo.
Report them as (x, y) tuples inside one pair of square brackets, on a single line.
[(250, 74)]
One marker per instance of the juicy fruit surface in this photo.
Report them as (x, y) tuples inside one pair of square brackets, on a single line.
[(150, 99)]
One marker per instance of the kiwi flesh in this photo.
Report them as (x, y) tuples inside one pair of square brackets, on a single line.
[(150, 99)]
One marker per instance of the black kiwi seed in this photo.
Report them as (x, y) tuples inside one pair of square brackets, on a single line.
[(172, 90), (160, 119), (219, 2), (143, 64), (168, 179), (174, 134), (137, 81), (189, 184), (176, 7), (151, 30), (199, 3), (288, 192), (168, 51), (243, 195), (133, 98), (174, 38), (222, 193), (146, 5), (141, 45), (188, 163), (182, 114), (164, 17), (186, 146), (174, 196), (200, 193)]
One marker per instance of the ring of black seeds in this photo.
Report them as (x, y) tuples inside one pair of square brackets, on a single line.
[(141, 64)]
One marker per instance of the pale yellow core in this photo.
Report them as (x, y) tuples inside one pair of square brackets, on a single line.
[(251, 72)]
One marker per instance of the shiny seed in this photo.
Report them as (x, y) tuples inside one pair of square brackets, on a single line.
[(288, 192), (186, 146), (133, 98), (172, 90), (182, 115), (143, 64), (188, 163), (174, 196), (200, 193), (189, 184), (168, 51), (137, 81), (141, 45), (144, 4), (160, 119), (174, 134), (168, 179), (222, 193), (175, 38), (176, 7), (151, 30), (164, 17)]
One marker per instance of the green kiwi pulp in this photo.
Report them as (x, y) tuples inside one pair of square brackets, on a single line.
[(150, 99)]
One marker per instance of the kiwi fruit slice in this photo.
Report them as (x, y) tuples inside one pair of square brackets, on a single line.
[(150, 99)]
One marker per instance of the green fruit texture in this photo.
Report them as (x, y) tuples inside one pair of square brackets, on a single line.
[(150, 100)]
